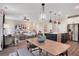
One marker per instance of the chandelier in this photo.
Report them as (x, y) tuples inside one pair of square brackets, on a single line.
[(56, 16)]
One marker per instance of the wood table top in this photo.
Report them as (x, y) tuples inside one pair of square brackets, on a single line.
[(52, 47)]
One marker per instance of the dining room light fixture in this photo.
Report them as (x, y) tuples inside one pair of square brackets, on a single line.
[(43, 15), (57, 18), (50, 17)]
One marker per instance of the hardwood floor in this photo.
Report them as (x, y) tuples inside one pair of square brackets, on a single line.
[(9, 50), (73, 51)]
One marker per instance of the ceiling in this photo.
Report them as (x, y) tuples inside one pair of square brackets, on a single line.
[(17, 11)]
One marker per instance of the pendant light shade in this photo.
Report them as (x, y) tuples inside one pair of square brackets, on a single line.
[(43, 4), (50, 21), (58, 22), (55, 22), (43, 16)]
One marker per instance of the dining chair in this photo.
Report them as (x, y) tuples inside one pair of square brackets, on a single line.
[(32, 48), (24, 52)]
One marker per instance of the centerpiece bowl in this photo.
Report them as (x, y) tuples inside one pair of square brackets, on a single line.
[(41, 38)]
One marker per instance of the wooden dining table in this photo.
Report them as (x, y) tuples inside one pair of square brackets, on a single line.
[(52, 47)]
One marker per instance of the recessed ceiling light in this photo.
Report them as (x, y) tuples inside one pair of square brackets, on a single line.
[(5, 7), (66, 16), (76, 7), (59, 12)]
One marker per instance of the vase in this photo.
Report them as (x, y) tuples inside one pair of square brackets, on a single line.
[(41, 38)]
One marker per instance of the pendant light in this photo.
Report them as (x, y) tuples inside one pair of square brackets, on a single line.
[(43, 16), (55, 19), (50, 21)]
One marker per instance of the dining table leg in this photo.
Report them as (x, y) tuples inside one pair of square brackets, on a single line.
[(46, 53), (40, 51), (66, 53), (63, 54)]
